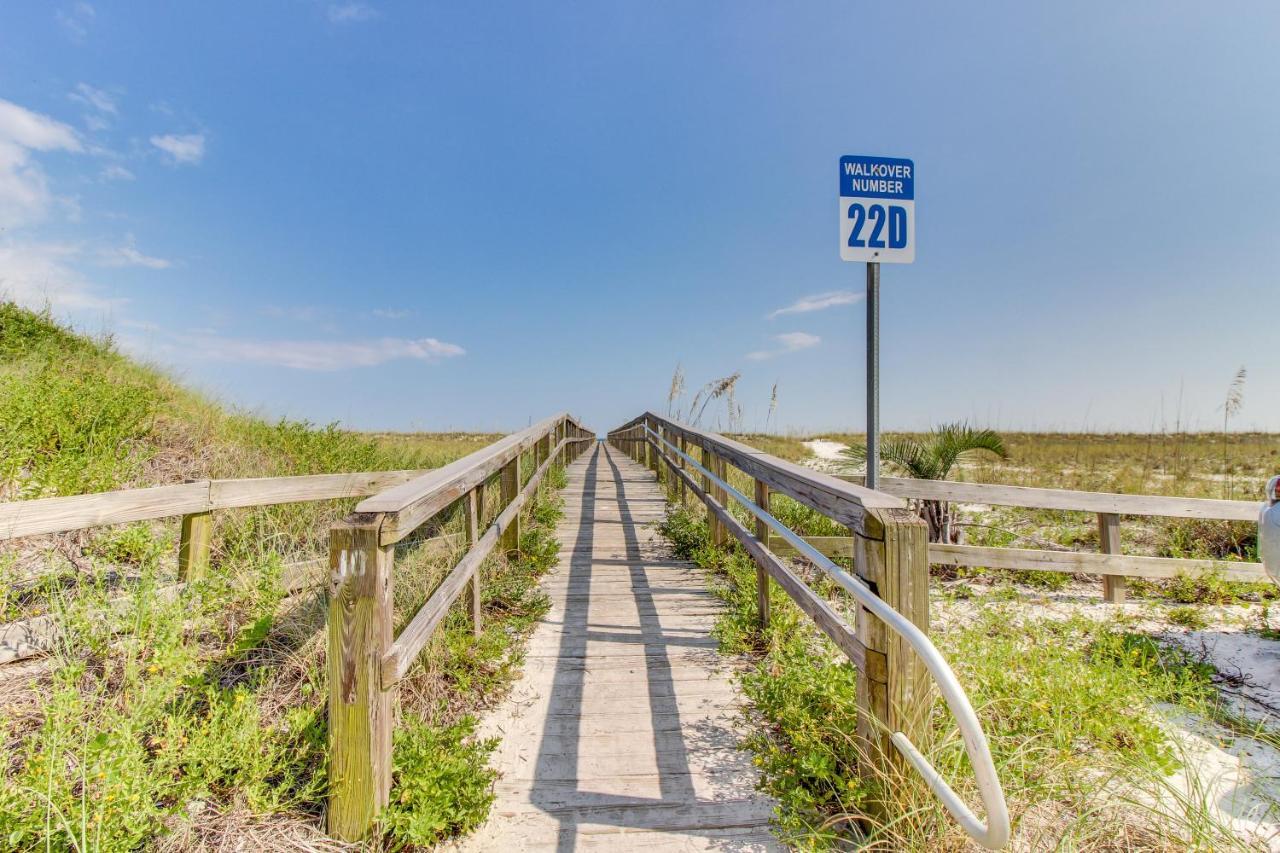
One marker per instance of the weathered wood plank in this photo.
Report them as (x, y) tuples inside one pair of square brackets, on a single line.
[(1066, 499), (407, 506), (833, 497), (360, 710), (812, 604), (56, 515), (194, 540), (1109, 543), (1095, 564)]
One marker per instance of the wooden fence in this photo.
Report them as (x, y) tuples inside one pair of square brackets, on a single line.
[(1111, 563), (891, 556), (365, 660)]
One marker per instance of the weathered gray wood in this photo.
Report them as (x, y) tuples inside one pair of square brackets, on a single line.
[(406, 648), (812, 604), (55, 515), (194, 540), (265, 491), (475, 499), (620, 733), (77, 512), (833, 497), (509, 487), (1109, 543), (1066, 499), (897, 543), (1118, 565), (1080, 562), (360, 722), (762, 576), (408, 506)]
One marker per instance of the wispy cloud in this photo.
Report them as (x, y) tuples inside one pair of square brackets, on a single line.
[(97, 99), (818, 302), (24, 192), (391, 313), (324, 355), (181, 147), (40, 274), (788, 342), (351, 13), (116, 172), (129, 256), (75, 20)]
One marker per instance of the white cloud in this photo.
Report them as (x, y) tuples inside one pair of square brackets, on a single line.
[(75, 20), (818, 302), (39, 274), (116, 172), (789, 342), (129, 256), (391, 313), (323, 355), (351, 13), (96, 99), (181, 147), (24, 192)]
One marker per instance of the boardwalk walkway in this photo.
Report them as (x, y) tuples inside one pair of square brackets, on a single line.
[(621, 733)]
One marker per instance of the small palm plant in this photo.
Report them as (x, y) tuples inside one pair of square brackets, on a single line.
[(931, 457)]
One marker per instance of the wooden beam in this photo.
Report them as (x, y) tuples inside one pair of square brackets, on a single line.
[(762, 576), (1080, 562), (1109, 543), (194, 540), (475, 499), (831, 496), (992, 494), (810, 603), (509, 487), (406, 648), (902, 699), (406, 507), (360, 625)]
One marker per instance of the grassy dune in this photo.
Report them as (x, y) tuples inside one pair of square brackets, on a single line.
[(195, 718)]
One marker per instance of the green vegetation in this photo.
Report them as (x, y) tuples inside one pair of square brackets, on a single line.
[(1069, 707), (170, 713)]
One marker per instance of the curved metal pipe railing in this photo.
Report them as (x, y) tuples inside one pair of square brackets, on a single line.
[(995, 833)]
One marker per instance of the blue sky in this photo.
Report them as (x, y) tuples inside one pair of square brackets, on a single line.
[(430, 216)]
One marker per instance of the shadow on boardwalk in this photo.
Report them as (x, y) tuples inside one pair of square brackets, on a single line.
[(620, 733)]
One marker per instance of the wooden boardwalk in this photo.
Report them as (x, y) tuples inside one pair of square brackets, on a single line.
[(622, 732)]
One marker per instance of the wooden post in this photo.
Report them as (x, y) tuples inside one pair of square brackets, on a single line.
[(684, 466), (1113, 586), (708, 462), (721, 469), (475, 503), (762, 577), (193, 546), (653, 453), (360, 626), (895, 693), (509, 488)]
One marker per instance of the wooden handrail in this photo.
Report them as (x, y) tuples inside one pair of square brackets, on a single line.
[(838, 499), (365, 660), (995, 494), (405, 507), (77, 512)]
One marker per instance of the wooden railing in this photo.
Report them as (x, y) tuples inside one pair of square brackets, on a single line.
[(195, 502), (365, 660), (896, 663), (1111, 563)]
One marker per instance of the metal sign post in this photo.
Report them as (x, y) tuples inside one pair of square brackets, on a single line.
[(873, 375), (877, 225)]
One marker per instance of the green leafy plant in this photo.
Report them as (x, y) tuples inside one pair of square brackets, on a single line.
[(932, 457)]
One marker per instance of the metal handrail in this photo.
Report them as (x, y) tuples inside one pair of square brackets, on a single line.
[(995, 834)]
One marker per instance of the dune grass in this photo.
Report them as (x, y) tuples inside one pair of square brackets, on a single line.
[(168, 713), (1078, 744)]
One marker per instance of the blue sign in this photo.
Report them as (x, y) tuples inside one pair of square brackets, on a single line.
[(877, 209)]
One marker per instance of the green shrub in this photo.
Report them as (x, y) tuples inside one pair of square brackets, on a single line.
[(442, 784)]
